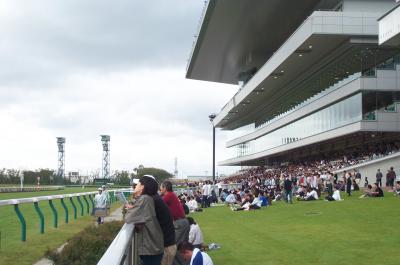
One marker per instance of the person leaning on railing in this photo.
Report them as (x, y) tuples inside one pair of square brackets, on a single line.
[(165, 220), (142, 213)]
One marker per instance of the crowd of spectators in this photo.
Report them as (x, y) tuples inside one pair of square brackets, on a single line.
[(306, 181)]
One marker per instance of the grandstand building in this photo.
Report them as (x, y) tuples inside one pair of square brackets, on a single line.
[(314, 80)]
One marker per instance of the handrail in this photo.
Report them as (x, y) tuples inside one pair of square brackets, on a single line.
[(123, 249), (35, 200)]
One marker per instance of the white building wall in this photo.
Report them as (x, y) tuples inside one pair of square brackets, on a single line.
[(370, 168), (367, 5)]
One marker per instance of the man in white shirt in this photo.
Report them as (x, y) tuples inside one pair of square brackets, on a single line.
[(192, 204), (311, 195), (335, 196), (194, 255), (100, 202)]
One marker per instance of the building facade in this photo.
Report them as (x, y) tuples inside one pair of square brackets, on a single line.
[(315, 78)]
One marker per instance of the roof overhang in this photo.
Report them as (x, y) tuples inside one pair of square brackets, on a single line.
[(239, 36), (326, 48), (389, 28)]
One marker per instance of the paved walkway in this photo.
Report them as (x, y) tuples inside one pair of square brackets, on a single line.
[(114, 216)]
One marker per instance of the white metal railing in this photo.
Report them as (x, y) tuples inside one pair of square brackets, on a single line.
[(84, 207), (123, 249)]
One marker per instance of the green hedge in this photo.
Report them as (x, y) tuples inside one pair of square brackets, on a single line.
[(87, 247)]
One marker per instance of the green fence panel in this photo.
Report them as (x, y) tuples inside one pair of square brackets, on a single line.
[(22, 221), (73, 206), (55, 215), (80, 204), (41, 217), (65, 210), (87, 204)]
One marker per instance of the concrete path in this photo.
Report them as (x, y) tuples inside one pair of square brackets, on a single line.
[(114, 216)]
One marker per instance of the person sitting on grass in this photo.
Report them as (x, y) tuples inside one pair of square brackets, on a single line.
[(376, 191), (193, 255), (223, 195), (230, 199), (256, 203), (195, 234), (310, 196), (397, 189), (335, 196), (248, 199), (192, 204), (264, 199), (367, 192)]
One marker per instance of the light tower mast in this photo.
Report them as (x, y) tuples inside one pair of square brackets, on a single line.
[(105, 139), (61, 157), (176, 167)]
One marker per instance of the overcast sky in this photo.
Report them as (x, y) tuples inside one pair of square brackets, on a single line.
[(78, 69)]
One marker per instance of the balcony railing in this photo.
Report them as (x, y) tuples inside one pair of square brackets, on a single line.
[(123, 249)]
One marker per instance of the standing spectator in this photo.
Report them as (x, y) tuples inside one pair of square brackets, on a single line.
[(357, 177), (142, 214), (177, 212), (348, 183), (194, 255), (219, 185), (379, 177), (328, 183), (204, 192), (166, 223), (108, 199), (195, 235), (288, 189), (100, 202), (366, 182), (390, 177)]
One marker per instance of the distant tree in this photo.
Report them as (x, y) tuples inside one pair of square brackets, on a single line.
[(13, 176), (121, 178), (3, 176), (159, 174)]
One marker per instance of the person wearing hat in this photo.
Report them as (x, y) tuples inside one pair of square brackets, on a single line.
[(100, 202), (107, 195)]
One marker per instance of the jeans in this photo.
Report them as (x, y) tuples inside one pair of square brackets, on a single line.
[(289, 196)]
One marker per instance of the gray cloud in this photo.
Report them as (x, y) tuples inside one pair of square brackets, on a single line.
[(52, 38), (79, 69)]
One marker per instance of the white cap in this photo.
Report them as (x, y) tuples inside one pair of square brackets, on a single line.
[(150, 176), (135, 181)]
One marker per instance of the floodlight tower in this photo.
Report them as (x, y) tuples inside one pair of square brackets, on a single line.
[(176, 167), (105, 140), (61, 157)]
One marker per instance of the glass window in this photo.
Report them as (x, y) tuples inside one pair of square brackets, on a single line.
[(334, 116)]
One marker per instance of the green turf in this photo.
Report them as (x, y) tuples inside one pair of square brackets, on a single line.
[(13, 249), (353, 231), (14, 195)]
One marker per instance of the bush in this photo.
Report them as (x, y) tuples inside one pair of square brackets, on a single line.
[(87, 247)]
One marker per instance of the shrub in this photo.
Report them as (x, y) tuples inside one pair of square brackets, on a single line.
[(87, 247)]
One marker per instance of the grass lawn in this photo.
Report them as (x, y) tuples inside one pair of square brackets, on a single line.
[(14, 251), (14, 195), (353, 231)]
